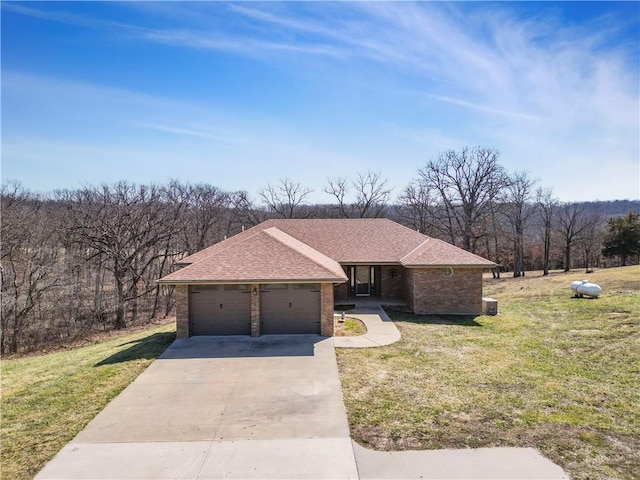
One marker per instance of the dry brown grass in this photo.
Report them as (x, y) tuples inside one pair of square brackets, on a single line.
[(351, 327), (550, 371)]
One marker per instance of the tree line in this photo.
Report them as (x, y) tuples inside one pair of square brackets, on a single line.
[(77, 261)]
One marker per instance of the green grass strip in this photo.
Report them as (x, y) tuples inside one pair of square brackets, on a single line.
[(48, 399)]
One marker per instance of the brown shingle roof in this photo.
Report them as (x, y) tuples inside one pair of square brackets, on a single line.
[(268, 255), (312, 249), (436, 252), (357, 240), (216, 247)]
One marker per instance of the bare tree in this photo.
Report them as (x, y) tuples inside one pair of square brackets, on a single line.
[(338, 188), (123, 225), (570, 226), (547, 205), (90, 258), (372, 194), (494, 240), (243, 210), (203, 210), (468, 183), (518, 208), (28, 252), (286, 198), (416, 207), (591, 239)]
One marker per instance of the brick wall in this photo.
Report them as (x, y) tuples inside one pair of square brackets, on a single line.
[(182, 311), (255, 310), (326, 309), (341, 292), (393, 282), (432, 292)]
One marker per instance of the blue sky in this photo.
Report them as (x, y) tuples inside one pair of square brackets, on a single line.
[(242, 94)]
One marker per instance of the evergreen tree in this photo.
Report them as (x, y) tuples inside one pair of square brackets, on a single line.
[(623, 237)]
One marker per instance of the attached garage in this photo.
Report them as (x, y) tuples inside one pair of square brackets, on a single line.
[(290, 308), (263, 282), (220, 309)]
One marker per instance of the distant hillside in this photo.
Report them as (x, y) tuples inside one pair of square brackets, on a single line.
[(611, 208)]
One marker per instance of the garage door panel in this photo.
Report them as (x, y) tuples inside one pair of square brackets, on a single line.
[(290, 309), (220, 310)]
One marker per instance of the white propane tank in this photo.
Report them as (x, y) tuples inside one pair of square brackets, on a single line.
[(584, 288)]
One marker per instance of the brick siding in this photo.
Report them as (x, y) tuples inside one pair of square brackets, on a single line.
[(326, 309), (433, 293), (393, 282), (255, 310), (182, 311), (341, 292)]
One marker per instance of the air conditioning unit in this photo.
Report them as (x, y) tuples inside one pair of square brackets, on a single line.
[(489, 306)]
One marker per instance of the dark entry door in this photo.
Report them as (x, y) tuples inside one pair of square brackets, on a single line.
[(363, 280)]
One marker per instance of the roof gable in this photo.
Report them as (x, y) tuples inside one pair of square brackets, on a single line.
[(268, 255), (227, 242)]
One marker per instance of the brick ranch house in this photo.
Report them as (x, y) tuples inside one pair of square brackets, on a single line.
[(284, 276)]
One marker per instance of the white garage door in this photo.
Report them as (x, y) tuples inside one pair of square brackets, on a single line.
[(220, 310)]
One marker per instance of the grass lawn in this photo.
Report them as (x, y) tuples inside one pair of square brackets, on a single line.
[(48, 399), (550, 371), (351, 327)]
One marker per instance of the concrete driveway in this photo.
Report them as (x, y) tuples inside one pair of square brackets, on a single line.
[(211, 407), (267, 407)]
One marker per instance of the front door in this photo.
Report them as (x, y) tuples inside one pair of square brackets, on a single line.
[(363, 281)]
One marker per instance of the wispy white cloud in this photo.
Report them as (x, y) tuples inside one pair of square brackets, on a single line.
[(186, 131), (482, 108), (535, 87), (238, 44), (510, 66), (104, 134), (61, 16), (202, 38), (56, 16), (54, 87), (498, 59)]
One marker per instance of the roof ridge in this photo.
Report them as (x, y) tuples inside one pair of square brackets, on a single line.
[(414, 250), (271, 230)]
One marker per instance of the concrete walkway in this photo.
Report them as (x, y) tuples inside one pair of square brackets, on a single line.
[(477, 464), (380, 329)]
